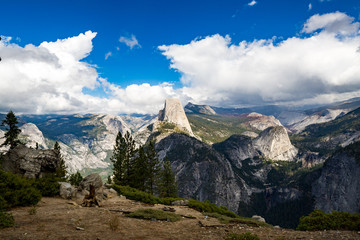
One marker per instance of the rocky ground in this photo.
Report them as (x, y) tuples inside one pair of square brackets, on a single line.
[(56, 218)]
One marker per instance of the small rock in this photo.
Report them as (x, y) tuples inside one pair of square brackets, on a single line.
[(67, 191), (112, 190), (180, 203), (169, 209), (258, 218), (80, 228)]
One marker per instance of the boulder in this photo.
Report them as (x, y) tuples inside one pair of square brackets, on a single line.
[(180, 203), (93, 179), (29, 162), (258, 218), (67, 191)]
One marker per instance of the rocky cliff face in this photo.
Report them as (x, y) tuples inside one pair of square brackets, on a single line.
[(322, 117), (237, 148), (29, 162), (338, 187), (261, 122), (173, 112), (201, 172), (202, 109), (33, 135), (274, 143)]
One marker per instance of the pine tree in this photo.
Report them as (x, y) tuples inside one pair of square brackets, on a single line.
[(123, 154), (153, 168), (140, 173), (11, 136), (61, 170), (75, 178), (167, 184)]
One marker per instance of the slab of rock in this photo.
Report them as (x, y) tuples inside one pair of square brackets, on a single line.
[(67, 191), (173, 112), (93, 179), (258, 218), (180, 203), (274, 143), (29, 162)]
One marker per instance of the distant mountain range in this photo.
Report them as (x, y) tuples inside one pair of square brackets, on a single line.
[(276, 162)]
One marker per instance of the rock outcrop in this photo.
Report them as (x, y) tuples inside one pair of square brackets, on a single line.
[(173, 112), (274, 143), (202, 109), (261, 122), (237, 148), (31, 163), (33, 135), (94, 180), (338, 187), (67, 191), (201, 172)]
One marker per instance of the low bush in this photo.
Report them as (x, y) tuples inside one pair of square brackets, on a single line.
[(210, 207), (242, 220), (242, 236), (17, 191), (137, 195), (48, 185), (6, 219), (318, 220), (75, 179), (148, 213)]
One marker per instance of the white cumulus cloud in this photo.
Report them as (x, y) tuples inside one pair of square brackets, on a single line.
[(217, 71), (337, 22), (252, 3), (52, 77), (130, 42)]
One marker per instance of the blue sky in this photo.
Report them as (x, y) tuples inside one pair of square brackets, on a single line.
[(116, 65)]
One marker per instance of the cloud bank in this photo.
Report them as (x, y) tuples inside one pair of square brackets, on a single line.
[(51, 78), (295, 70), (319, 65)]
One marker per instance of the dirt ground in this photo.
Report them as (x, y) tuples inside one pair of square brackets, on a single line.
[(57, 218)]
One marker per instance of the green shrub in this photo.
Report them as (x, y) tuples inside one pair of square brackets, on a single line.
[(32, 211), (210, 207), (17, 191), (3, 203), (318, 220), (6, 219), (239, 220), (48, 185), (75, 179), (242, 236), (137, 195), (148, 213)]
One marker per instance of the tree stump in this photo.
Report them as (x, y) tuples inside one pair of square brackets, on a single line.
[(90, 199)]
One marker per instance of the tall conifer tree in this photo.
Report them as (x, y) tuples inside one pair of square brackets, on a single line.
[(11, 136), (61, 171), (122, 158), (167, 184), (141, 170), (153, 168)]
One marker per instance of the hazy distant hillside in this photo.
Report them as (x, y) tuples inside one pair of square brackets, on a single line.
[(327, 136)]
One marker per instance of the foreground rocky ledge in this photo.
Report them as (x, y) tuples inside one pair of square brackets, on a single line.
[(56, 218)]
